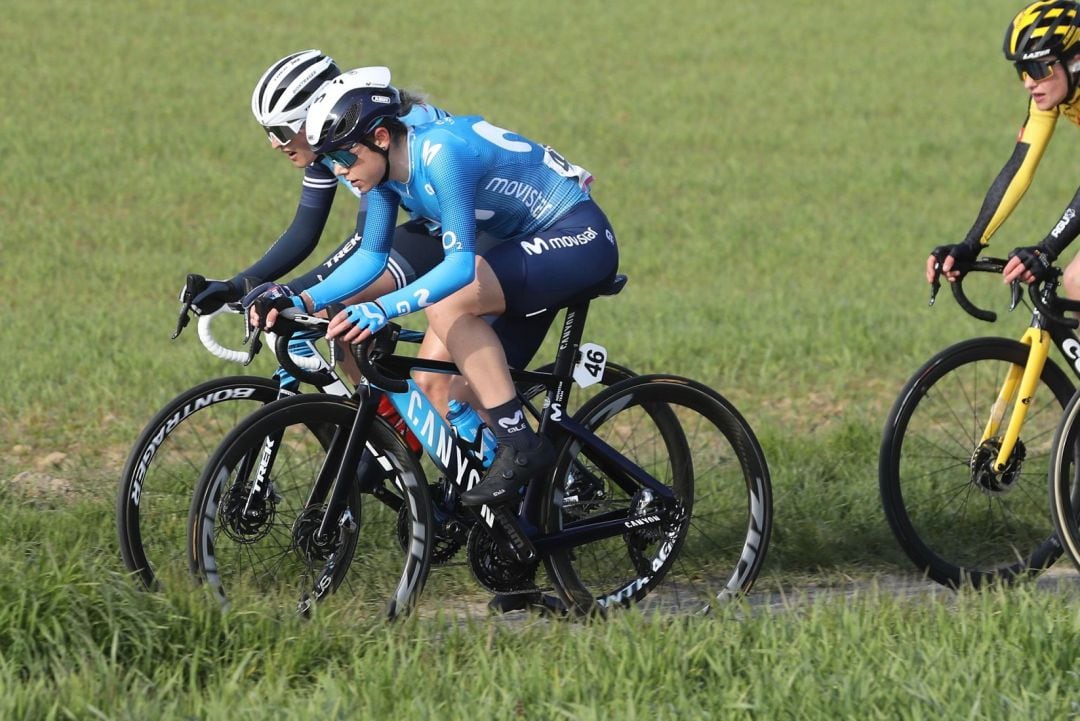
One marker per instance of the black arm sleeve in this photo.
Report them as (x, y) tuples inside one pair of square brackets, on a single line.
[(995, 195), (1066, 229), (343, 251), (302, 235)]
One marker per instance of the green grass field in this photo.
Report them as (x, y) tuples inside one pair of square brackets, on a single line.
[(777, 173)]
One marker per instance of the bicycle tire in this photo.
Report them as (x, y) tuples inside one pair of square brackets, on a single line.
[(163, 468), (694, 441), (1064, 481), (958, 526), (272, 557)]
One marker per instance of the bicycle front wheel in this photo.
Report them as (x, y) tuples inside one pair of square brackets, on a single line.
[(1064, 481), (704, 545), (261, 532), (959, 520), (163, 470)]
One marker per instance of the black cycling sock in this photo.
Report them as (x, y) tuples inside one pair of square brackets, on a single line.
[(510, 427)]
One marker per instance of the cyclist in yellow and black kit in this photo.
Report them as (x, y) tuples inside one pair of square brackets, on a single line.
[(1043, 42)]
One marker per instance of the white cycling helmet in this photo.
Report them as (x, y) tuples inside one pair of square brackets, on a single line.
[(283, 94)]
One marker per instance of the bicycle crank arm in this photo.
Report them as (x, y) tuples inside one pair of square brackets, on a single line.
[(520, 545)]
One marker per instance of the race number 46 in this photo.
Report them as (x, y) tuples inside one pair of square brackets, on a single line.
[(590, 366)]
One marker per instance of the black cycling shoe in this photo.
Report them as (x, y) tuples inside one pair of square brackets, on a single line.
[(542, 603), (509, 473)]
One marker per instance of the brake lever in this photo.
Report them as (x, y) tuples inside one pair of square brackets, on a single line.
[(192, 285), (935, 285), (249, 329), (255, 345), (183, 319), (1016, 294)]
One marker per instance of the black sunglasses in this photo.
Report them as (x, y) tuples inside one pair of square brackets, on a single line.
[(1037, 70)]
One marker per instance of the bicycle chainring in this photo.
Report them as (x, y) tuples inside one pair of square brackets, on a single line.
[(494, 568)]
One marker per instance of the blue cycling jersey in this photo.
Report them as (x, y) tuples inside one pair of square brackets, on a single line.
[(316, 200), (465, 174)]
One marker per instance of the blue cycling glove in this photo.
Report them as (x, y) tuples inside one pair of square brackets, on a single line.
[(370, 316)]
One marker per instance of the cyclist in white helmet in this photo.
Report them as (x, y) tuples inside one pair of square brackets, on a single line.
[(280, 102)]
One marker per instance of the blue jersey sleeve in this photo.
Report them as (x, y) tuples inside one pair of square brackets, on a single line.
[(452, 176), (456, 271), (366, 263)]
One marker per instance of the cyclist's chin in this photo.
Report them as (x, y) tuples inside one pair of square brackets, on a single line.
[(301, 159), (1046, 101)]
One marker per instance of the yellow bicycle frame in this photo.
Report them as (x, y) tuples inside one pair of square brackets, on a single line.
[(1027, 377)]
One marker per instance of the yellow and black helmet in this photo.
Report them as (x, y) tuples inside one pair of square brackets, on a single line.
[(1044, 29)]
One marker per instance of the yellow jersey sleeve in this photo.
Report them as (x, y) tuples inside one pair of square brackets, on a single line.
[(1015, 178)]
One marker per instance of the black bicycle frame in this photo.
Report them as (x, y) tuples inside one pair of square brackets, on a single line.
[(347, 458)]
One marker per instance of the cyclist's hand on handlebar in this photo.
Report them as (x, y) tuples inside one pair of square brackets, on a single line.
[(1028, 264), (357, 322), (948, 256), (216, 294), (265, 301)]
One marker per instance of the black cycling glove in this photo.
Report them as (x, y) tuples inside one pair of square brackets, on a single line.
[(1036, 258), (269, 296), (960, 253), (216, 294)]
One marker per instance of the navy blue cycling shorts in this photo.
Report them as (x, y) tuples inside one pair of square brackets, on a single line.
[(542, 272)]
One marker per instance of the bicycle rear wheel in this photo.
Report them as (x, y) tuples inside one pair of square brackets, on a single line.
[(959, 521), (271, 553), (707, 546), (163, 470)]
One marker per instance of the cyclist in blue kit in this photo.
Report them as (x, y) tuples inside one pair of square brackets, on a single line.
[(279, 103), (489, 309)]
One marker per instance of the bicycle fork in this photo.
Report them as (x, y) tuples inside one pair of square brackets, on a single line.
[(347, 462), (1020, 383)]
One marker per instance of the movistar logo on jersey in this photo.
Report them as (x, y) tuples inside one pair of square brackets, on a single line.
[(532, 198), (429, 151), (538, 245)]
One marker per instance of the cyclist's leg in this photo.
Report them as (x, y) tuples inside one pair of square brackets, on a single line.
[(1071, 278), (518, 279)]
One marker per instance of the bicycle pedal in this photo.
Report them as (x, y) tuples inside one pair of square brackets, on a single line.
[(523, 549)]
